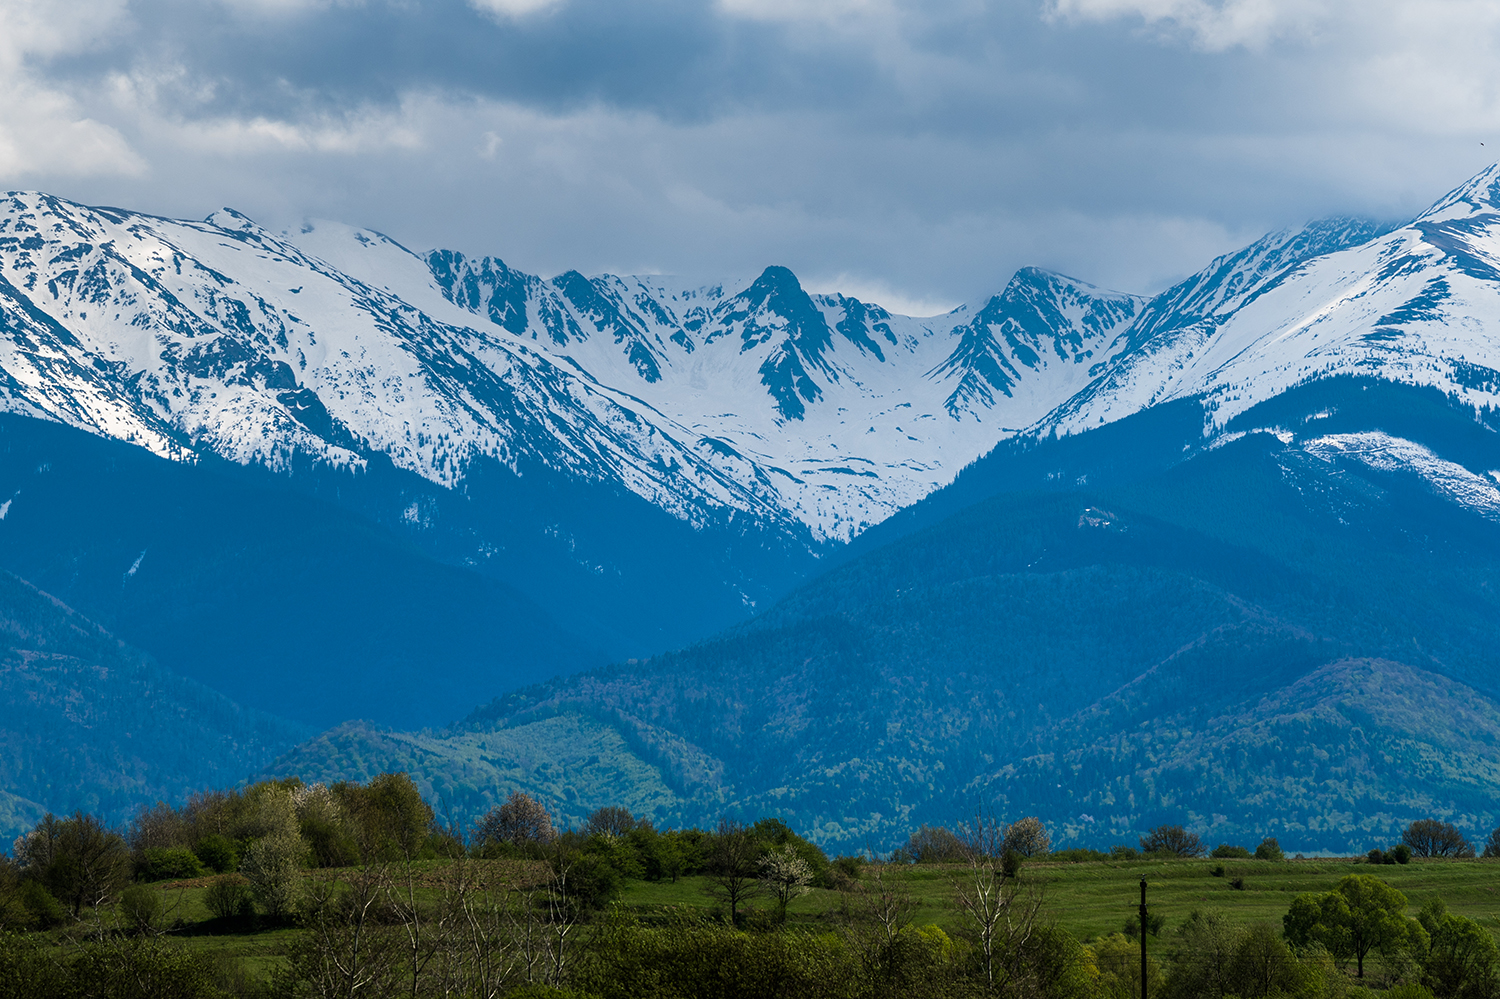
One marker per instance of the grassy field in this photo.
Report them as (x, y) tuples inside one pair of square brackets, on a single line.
[(1089, 900), (1093, 899)]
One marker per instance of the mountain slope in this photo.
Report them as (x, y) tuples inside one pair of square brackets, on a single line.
[(655, 460), (1414, 305), (285, 602), (1230, 591), (90, 723)]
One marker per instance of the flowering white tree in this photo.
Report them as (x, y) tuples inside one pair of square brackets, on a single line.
[(787, 876), (1028, 837)]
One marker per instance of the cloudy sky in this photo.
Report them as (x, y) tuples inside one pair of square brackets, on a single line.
[(916, 153)]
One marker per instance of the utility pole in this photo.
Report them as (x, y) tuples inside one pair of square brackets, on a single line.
[(1143, 938)]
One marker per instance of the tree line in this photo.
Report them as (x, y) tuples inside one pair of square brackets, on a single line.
[(384, 899)]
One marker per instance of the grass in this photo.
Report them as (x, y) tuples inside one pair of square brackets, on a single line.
[(1089, 900)]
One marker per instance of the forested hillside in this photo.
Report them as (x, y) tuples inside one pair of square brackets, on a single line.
[(270, 590), (94, 724), (1109, 657)]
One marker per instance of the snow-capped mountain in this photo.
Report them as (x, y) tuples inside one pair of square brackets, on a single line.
[(820, 414), (1418, 305), (814, 415)]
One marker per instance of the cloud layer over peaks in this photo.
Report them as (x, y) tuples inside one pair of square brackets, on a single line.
[(924, 149)]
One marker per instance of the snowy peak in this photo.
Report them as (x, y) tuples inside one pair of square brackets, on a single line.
[(811, 414), (485, 287), (1415, 305), (776, 313), (1041, 320), (1477, 196)]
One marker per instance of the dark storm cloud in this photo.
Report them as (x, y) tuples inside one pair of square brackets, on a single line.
[(923, 148)]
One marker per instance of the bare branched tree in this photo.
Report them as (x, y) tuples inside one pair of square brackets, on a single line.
[(1173, 839), (562, 919), (1000, 910), (1432, 838), (346, 951), (879, 912), (611, 820), (733, 858)]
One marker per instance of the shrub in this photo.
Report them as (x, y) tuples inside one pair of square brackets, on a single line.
[(162, 864), (1155, 923), (1269, 849), (1122, 852), (1226, 852), (1173, 840), (140, 908), (1077, 855), (849, 866), (229, 898), (43, 911), (218, 852), (1401, 853)]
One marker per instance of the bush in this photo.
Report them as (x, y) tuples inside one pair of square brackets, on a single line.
[(1122, 852), (218, 852), (43, 911), (1077, 855), (588, 881), (140, 908), (229, 898), (849, 866), (1269, 849), (1401, 853), (163, 864), (1226, 852)]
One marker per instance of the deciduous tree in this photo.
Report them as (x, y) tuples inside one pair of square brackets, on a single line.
[(1431, 838), (1174, 840), (78, 859), (786, 875), (1361, 914), (522, 821), (733, 859), (1028, 837)]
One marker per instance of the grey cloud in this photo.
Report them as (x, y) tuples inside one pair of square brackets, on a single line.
[(931, 151)]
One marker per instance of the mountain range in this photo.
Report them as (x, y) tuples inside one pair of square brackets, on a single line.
[(1095, 555)]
